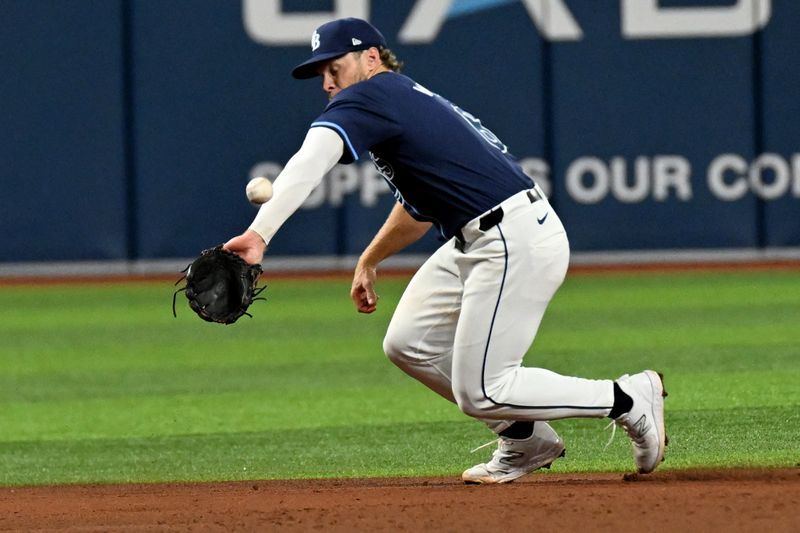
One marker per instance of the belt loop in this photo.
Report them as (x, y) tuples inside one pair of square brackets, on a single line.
[(491, 219), (459, 241)]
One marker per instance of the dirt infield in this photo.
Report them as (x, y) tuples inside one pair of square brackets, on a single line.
[(709, 500)]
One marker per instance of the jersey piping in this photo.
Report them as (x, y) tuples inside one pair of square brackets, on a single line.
[(340, 131), (489, 339)]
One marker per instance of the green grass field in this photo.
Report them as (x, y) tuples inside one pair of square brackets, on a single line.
[(101, 384)]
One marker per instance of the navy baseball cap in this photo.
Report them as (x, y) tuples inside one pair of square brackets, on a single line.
[(335, 39)]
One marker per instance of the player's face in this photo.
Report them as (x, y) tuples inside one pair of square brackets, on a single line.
[(342, 72)]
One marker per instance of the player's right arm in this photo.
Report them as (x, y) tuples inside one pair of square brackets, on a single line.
[(321, 150), (399, 230)]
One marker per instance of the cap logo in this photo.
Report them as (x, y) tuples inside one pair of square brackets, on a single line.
[(314, 41), (356, 42)]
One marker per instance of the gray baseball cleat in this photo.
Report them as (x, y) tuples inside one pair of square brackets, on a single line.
[(644, 423), (514, 458)]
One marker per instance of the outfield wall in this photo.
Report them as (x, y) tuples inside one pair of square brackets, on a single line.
[(130, 128)]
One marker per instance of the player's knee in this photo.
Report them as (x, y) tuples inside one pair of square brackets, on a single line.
[(398, 344), (405, 354), (396, 348), (473, 403), (391, 350)]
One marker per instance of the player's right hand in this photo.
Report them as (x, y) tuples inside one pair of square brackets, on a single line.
[(363, 290), (249, 246)]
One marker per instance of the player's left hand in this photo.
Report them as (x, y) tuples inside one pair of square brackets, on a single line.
[(363, 290), (249, 246)]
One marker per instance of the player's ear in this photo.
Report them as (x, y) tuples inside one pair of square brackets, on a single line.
[(373, 57)]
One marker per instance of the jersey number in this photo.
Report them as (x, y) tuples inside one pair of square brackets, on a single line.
[(482, 130)]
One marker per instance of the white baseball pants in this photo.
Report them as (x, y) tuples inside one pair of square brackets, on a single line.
[(468, 317)]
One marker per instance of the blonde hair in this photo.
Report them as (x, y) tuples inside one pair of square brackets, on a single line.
[(388, 59)]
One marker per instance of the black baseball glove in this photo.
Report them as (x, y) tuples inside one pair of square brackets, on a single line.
[(220, 286)]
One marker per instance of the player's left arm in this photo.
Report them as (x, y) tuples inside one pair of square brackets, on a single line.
[(399, 230)]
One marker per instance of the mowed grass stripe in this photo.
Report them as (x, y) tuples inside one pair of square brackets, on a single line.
[(101, 384), (719, 438)]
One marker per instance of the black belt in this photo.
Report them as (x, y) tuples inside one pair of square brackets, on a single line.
[(493, 218)]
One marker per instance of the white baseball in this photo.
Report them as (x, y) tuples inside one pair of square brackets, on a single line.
[(259, 190)]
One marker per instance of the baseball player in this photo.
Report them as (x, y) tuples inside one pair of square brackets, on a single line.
[(471, 312)]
